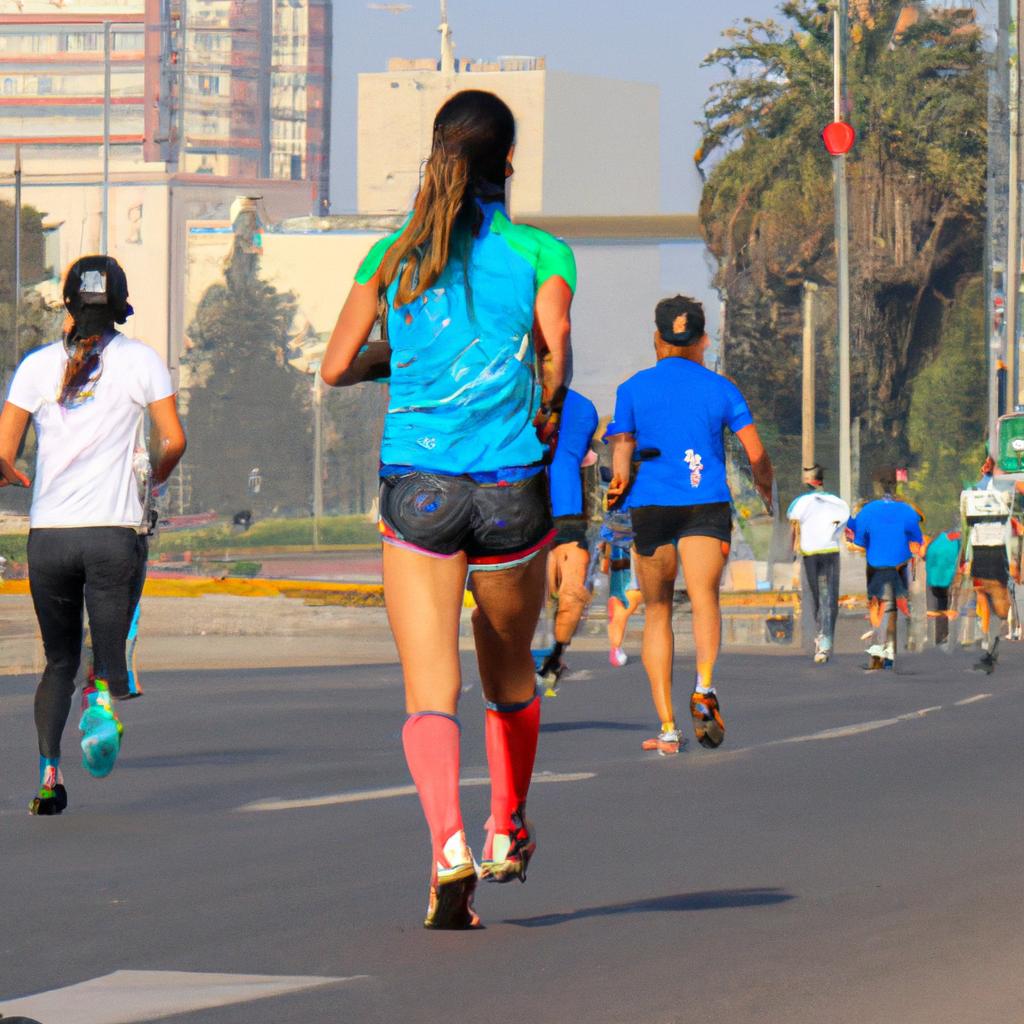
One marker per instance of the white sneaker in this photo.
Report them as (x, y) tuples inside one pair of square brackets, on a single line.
[(820, 651), (459, 859)]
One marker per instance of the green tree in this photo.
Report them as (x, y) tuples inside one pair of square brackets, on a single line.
[(948, 412), (916, 177), (246, 407)]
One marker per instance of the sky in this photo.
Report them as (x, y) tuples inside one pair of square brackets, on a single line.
[(656, 41)]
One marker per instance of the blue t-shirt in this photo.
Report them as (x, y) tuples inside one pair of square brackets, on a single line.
[(463, 390), (681, 408), (579, 421), (886, 528)]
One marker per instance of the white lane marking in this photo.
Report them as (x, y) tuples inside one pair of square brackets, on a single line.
[(919, 714), (971, 700), (362, 795), (840, 731), (127, 997)]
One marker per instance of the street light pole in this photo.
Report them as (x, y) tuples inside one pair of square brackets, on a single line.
[(318, 455), (104, 234), (842, 228), (17, 257)]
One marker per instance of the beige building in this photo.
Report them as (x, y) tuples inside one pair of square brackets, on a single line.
[(585, 145)]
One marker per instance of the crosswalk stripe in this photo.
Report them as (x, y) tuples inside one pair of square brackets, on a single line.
[(129, 997)]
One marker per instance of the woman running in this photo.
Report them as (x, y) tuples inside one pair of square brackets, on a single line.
[(86, 396), (472, 300)]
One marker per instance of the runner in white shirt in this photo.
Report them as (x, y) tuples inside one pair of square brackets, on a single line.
[(87, 395), (818, 519)]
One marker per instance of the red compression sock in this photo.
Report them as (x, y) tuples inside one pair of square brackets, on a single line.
[(431, 743), (511, 731)]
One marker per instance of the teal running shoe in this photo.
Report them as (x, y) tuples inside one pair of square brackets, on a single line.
[(101, 740)]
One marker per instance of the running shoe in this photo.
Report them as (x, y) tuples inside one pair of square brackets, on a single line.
[(450, 903), (820, 651), (707, 719), (50, 800), (986, 663), (507, 855), (665, 743), (101, 740), (550, 674), (617, 657), (874, 664)]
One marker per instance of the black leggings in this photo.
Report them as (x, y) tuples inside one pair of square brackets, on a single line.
[(100, 568)]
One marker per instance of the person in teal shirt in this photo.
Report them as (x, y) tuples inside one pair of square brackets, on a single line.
[(941, 560)]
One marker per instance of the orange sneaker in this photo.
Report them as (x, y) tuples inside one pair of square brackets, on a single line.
[(665, 743), (707, 719)]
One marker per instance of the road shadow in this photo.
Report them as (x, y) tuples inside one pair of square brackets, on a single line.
[(609, 726), (714, 899)]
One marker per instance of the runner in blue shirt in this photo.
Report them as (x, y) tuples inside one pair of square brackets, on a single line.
[(569, 558), (473, 303), (889, 530), (674, 414)]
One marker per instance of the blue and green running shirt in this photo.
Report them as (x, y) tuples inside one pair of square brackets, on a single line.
[(463, 387)]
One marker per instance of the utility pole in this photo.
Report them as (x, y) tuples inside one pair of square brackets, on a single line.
[(17, 258), (807, 417), (318, 455), (839, 25), (1013, 218), (104, 232)]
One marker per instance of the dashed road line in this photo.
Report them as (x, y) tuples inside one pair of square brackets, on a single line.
[(972, 700), (390, 792)]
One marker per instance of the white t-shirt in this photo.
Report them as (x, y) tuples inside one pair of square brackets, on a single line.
[(822, 517), (84, 474)]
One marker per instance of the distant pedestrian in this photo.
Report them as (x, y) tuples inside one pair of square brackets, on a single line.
[(942, 563), (87, 395), (889, 530), (818, 519)]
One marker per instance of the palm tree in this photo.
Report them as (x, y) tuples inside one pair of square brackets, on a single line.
[(917, 98)]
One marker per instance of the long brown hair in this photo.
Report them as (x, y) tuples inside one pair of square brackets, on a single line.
[(473, 133), (83, 361)]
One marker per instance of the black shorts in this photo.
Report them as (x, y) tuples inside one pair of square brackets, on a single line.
[(881, 576), (571, 530), (495, 525), (990, 563), (657, 525)]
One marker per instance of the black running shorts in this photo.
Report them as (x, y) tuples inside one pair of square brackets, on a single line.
[(882, 576), (571, 530), (495, 524), (990, 563), (657, 525)]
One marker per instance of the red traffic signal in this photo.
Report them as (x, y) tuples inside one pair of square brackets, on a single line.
[(838, 138)]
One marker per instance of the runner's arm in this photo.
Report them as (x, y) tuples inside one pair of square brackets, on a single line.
[(13, 424), (760, 464), (623, 447), (166, 437), (552, 328), (355, 321)]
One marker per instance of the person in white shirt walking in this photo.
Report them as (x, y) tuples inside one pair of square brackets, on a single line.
[(818, 519), (86, 395)]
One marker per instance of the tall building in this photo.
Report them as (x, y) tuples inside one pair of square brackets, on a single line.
[(207, 99), (584, 144)]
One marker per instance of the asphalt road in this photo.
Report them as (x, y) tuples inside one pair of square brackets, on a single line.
[(853, 853)]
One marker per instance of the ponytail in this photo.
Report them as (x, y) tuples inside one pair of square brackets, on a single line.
[(83, 360), (423, 249)]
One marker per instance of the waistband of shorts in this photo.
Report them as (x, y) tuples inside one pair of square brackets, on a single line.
[(504, 477)]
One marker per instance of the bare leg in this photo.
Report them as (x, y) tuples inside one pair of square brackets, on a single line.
[(572, 563), (618, 616), (424, 602), (703, 560), (508, 606), (657, 576)]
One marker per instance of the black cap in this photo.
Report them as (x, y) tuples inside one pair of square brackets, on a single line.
[(97, 284), (680, 320)]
